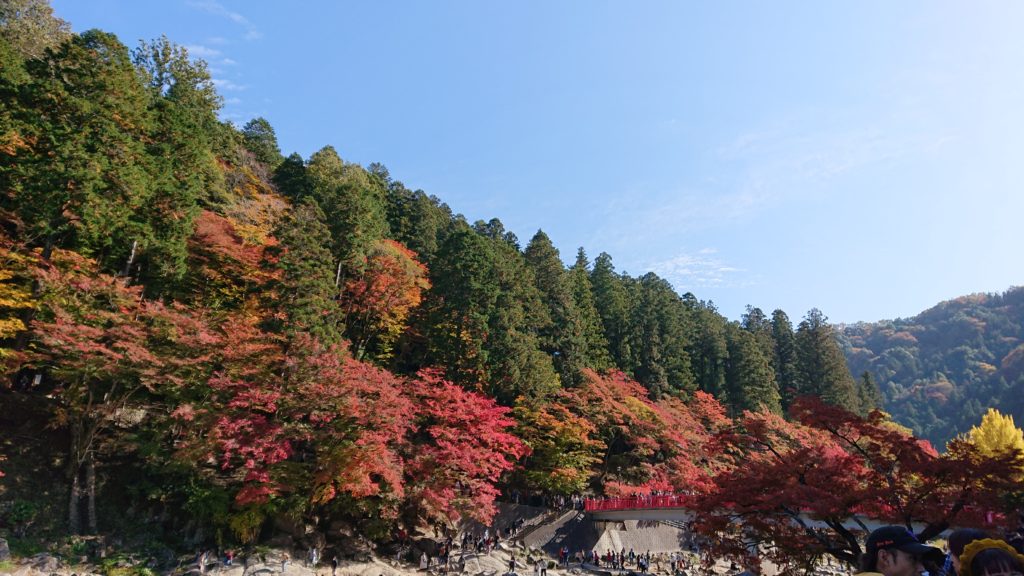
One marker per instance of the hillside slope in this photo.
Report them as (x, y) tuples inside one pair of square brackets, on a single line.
[(942, 369)]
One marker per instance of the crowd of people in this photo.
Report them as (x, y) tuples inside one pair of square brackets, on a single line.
[(889, 551), (547, 500), (895, 551), (611, 559), (480, 541)]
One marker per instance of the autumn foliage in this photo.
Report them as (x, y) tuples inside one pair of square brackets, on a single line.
[(462, 445), (318, 421), (662, 445), (262, 415), (380, 300), (219, 337), (804, 486), (610, 428), (269, 418)]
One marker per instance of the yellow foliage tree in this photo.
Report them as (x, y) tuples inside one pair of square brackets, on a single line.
[(996, 435), (15, 297), (890, 424)]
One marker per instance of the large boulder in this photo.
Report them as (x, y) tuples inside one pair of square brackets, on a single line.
[(45, 563)]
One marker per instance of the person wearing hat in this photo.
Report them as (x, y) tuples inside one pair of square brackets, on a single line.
[(957, 541), (895, 551), (990, 557)]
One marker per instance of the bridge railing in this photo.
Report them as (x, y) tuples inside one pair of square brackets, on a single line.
[(635, 502)]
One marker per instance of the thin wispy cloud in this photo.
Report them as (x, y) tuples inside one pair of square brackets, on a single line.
[(699, 270), (644, 217), (218, 9), (749, 174), (745, 177), (200, 51), (228, 62), (228, 85), (745, 142), (782, 158)]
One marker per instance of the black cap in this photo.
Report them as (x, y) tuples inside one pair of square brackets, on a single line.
[(899, 538)]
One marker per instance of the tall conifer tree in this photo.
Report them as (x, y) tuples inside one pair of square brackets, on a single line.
[(77, 175), (259, 137), (184, 104), (662, 324), (419, 221), (785, 357), (561, 338), (710, 353), (306, 294), (757, 323), (611, 299), (868, 394), (483, 316), (750, 376), (354, 206), (291, 178), (822, 367), (591, 329)]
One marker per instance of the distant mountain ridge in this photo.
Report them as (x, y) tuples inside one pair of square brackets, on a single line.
[(941, 370)]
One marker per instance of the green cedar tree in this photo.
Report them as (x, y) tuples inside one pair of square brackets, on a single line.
[(821, 366), (305, 295), (751, 380), (785, 357), (259, 138)]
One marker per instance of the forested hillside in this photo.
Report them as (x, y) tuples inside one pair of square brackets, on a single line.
[(942, 369), (203, 337)]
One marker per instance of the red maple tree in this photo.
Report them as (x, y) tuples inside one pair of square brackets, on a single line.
[(807, 487), (102, 352), (460, 448), (314, 422), (664, 445)]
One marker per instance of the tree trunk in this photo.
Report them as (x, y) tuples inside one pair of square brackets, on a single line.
[(131, 258), (74, 475), (73, 515), (90, 490)]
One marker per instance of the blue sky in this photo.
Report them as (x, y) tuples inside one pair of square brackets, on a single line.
[(864, 158)]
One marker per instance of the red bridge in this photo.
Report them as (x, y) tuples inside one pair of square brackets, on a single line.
[(635, 503), (675, 507)]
